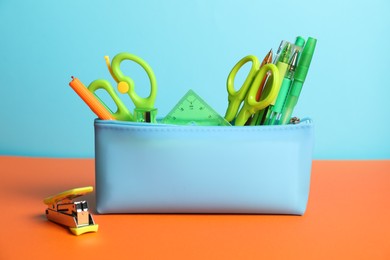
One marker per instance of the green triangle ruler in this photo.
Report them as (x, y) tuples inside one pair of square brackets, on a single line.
[(193, 110)]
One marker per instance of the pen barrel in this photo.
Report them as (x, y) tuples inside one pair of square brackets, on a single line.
[(281, 99), (296, 88), (287, 112), (301, 73), (257, 117), (277, 108), (282, 68), (291, 102)]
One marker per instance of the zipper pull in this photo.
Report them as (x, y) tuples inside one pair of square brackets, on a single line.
[(295, 120)]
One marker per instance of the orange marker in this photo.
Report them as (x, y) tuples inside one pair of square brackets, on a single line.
[(90, 99)]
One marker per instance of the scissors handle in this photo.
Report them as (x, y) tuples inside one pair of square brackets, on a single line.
[(126, 84), (251, 105), (235, 98), (122, 112)]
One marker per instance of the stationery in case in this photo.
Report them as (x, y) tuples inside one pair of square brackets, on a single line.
[(157, 168)]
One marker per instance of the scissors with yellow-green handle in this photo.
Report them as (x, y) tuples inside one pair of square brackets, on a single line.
[(127, 85), (248, 90)]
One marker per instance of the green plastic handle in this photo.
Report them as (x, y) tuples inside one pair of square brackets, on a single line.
[(235, 98), (126, 84), (122, 113), (251, 105)]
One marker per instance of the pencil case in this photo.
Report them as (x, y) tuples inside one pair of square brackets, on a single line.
[(157, 168)]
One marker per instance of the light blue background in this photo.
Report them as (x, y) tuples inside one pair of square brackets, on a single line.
[(190, 44)]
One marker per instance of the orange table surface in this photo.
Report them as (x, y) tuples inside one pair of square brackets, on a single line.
[(348, 217)]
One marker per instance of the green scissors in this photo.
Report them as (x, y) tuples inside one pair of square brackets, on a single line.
[(126, 85), (248, 90)]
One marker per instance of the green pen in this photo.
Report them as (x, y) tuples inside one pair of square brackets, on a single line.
[(300, 41), (299, 79), (277, 108), (275, 114)]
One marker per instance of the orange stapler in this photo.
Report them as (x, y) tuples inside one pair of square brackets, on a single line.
[(75, 215)]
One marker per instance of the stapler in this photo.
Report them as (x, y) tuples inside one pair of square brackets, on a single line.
[(75, 215)]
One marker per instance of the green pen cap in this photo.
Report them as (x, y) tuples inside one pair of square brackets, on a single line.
[(305, 60), (300, 41)]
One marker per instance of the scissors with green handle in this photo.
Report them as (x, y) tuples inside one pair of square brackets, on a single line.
[(248, 90), (126, 85)]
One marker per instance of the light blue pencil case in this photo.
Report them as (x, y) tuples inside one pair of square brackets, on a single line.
[(156, 168)]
